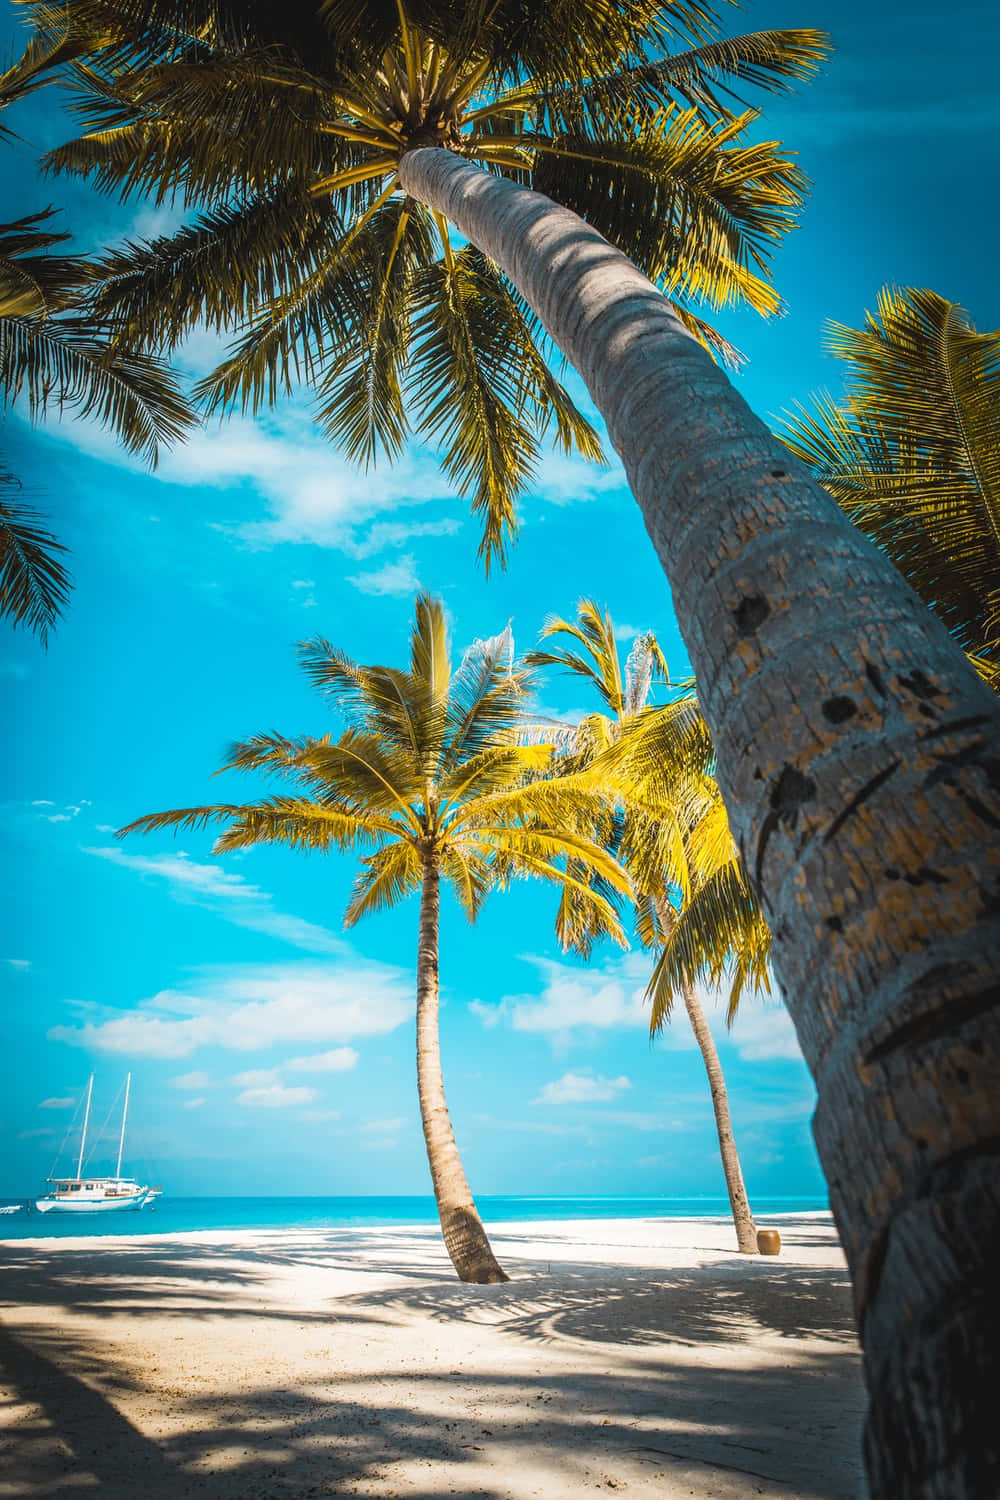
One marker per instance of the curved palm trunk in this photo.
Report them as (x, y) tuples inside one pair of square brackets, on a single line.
[(857, 756), (464, 1235), (739, 1203), (746, 1229)]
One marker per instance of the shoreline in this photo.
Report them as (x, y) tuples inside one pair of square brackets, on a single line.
[(495, 1227), (638, 1354)]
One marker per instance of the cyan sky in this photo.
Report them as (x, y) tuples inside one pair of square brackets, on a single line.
[(270, 1051)]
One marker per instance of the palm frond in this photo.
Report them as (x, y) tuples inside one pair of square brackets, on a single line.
[(293, 821), (34, 585), (63, 364), (913, 454), (387, 877), (719, 931)]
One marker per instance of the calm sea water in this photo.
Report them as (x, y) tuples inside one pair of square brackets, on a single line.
[(186, 1214)]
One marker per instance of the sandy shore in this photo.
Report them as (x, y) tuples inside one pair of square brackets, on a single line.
[(624, 1355)]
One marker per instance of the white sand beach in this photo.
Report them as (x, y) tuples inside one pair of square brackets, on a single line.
[(640, 1356)]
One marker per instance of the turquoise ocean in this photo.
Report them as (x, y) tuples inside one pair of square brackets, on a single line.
[(187, 1215)]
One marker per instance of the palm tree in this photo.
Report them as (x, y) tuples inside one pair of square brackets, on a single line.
[(855, 745), (913, 454), (625, 694), (429, 777), (55, 352), (286, 129)]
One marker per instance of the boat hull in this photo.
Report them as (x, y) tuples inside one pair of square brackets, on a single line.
[(96, 1206)]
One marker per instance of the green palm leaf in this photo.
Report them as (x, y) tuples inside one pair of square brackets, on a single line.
[(913, 453), (34, 585)]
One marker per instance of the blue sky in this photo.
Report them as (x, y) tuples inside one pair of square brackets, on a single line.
[(270, 1051)]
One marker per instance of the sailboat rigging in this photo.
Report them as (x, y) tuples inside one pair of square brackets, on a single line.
[(81, 1194)]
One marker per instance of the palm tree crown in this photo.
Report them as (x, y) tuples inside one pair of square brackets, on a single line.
[(429, 779), (285, 127), (673, 834)]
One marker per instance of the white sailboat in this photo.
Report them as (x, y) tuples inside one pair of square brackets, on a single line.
[(96, 1195)]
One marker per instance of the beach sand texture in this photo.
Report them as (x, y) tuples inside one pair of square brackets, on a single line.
[(635, 1356)]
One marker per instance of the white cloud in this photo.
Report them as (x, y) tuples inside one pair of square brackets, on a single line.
[(276, 1097), (626, 633), (191, 1081), (42, 802), (303, 583), (394, 533), (582, 1088), (572, 999), (66, 1101), (763, 1029), (340, 1060), (396, 578), (566, 479), (230, 895), (256, 1078), (59, 817), (195, 1103), (384, 1127), (22, 965), (255, 1006)]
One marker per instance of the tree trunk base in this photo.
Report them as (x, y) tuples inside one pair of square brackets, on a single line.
[(467, 1244)]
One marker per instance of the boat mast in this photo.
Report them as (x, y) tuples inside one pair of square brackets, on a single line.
[(83, 1137), (121, 1138)]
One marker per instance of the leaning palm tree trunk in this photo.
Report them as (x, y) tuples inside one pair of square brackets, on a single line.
[(464, 1235), (746, 1229), (856, 753)]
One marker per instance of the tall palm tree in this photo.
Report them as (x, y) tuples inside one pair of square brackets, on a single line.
[(625, 692), (429, 777), (855, 745), (912, 454), (285, 127), (56, 353)]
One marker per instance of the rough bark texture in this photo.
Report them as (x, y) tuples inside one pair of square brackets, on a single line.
[(464, 1235), (739, 1203), (858, 757)]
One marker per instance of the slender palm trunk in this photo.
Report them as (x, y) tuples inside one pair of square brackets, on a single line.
[(739, 1203), (857, 756), (746, 1229), (464, 1235)]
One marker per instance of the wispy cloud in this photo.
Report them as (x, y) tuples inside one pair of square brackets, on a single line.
[(763, 1029), (339, 1060), (276, 1096), (398, 578), (66, 1101), (254, 1007), (22, 965), (228, 894), (574, 999), (191, 1081), (583, 1088)]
